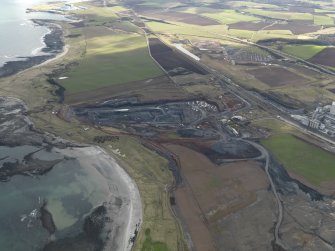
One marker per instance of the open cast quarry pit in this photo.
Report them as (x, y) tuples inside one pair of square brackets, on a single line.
[(145, 118)]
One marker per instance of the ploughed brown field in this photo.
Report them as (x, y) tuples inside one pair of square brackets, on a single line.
[(297, 27), (276, 76), (169, 59), (325, 57), (174, 16), (211, 192), (301, 9)]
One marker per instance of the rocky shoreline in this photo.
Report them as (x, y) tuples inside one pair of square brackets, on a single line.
[(108, 222), (53, 45)]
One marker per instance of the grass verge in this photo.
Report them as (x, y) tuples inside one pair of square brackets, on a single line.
[(311, 162)]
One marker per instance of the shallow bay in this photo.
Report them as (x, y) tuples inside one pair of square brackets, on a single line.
[(19, 36)]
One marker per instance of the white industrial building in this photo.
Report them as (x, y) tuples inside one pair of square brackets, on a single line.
[(322, 119)]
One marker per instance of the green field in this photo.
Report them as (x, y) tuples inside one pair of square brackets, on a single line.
[(312, 163), (239, 4), (323, 10), (225, 16), (96, 13), (303, 51), (259, 35), (117, 9), (150, 245), (230, 17), (187, 29), (323, 20), (111, 58)]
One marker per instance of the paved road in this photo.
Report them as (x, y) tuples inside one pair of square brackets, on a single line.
[(266, 155)]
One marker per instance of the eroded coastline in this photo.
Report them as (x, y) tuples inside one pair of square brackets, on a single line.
[(54, 45)]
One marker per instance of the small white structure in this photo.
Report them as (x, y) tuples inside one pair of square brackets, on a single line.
[(188, 53), (332, 108), (303, 119)]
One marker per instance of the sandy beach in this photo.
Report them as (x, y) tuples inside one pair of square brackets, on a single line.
[(123, 203)]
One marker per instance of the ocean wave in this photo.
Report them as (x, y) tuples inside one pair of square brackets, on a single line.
[(8, 56), (37, 50)]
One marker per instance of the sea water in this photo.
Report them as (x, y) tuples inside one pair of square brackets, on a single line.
[(72, 190), (19, 36)]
